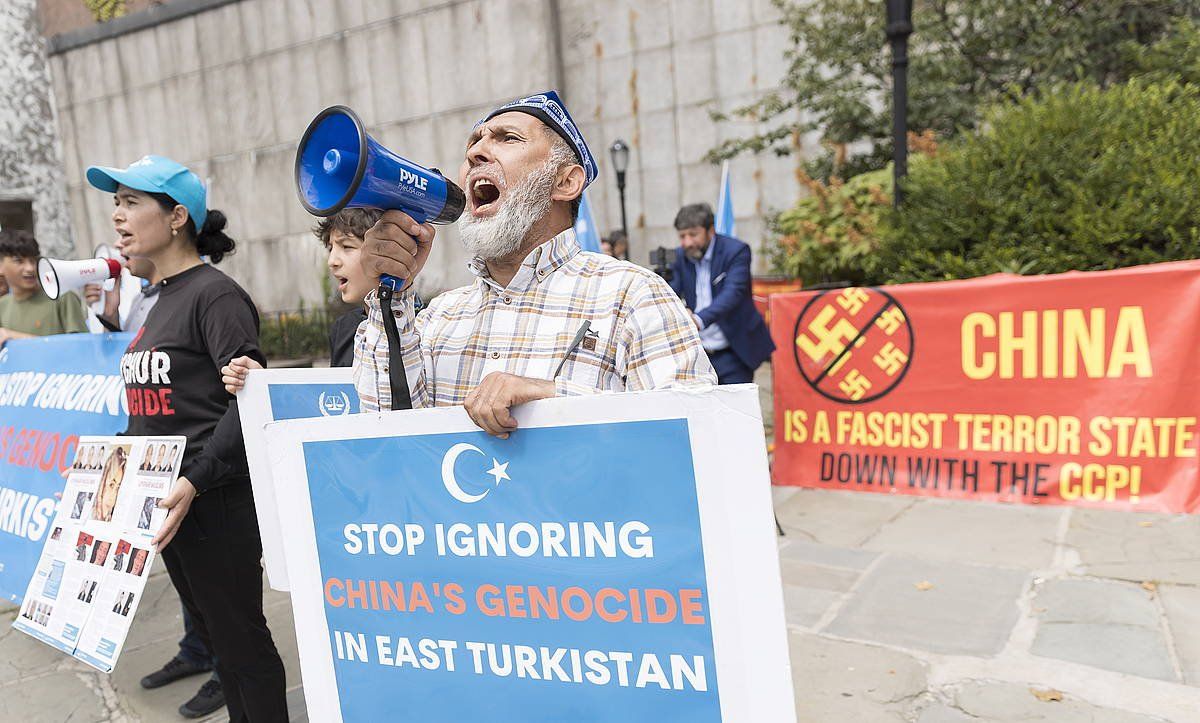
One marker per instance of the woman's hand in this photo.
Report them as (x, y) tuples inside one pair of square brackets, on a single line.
[(178, 502), (233, 374)]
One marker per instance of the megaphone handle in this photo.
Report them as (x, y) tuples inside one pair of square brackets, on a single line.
[(401, 396)]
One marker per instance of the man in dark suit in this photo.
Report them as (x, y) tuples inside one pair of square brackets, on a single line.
[(711, 273)]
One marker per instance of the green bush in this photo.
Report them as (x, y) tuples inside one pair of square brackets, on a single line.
[(1077, 178), (302, 334), (831, 234)]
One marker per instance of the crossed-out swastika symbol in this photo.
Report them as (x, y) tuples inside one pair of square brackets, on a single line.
[(853, 345)]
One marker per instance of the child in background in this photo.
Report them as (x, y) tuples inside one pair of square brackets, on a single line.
[(342, 234), (26, 311)]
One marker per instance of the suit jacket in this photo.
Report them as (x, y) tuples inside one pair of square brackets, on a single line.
[(732, 308)]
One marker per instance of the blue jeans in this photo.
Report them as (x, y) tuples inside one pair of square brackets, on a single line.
[(192, 648)]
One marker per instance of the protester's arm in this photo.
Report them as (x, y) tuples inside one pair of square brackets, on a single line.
[(734, 289), (233, 374), (8, 334), (110, 317), (371, 357), (70, 314), (230, 329), (397, 246)]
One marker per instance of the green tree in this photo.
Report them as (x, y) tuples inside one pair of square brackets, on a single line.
[(1077, 178), (963, 55)]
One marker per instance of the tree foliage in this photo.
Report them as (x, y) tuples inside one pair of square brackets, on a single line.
[(1079, 178), (963, 55)]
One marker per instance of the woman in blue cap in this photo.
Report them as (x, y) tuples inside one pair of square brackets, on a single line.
[(209, 541)]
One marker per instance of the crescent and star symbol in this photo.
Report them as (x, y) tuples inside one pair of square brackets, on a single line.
[(498, 471)]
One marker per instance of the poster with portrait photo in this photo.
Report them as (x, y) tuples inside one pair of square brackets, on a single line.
[(88, 458), (100, 552), (139, 562), (160, 462), (93, 568), (112, 475)]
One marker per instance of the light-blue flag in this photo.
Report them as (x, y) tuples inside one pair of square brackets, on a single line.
[(585, 227), (724, 221)]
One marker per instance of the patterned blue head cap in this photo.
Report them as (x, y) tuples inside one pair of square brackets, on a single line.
[(549, 109)]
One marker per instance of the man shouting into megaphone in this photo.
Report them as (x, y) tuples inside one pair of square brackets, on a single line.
[(542, 318)]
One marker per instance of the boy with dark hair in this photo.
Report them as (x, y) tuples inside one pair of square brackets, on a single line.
[(26, 311), (342, 235)]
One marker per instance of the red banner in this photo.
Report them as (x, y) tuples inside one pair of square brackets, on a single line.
[(1077, 388)]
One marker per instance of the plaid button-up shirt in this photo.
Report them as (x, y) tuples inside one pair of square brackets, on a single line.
[(641, 335)]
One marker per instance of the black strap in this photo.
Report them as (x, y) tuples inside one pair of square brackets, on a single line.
[(401, 396)]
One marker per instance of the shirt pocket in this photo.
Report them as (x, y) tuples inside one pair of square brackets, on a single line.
[(593, 361)]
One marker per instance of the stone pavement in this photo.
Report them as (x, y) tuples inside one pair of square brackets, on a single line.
[(898, 609), (915, 609)]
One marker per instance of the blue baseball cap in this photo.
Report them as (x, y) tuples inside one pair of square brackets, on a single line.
[(157, 174), (549, 109)]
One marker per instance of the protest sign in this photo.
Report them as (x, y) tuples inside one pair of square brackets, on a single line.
[(89, 578), (1066, 389), (614, 559), (277, 394), (52, 390)]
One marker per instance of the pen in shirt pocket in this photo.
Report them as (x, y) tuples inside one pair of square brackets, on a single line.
[(720, 277), (579, 335)]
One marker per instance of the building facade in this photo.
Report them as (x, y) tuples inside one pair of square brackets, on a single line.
[(32, 191), (228, 88)]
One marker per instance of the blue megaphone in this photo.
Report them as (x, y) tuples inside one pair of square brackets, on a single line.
[(339, 166)]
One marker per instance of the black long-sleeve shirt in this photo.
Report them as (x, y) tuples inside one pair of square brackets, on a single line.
[(172, 372), (341, 337)]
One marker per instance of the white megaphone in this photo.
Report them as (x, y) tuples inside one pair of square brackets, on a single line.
[(104, 251), (58, 277)]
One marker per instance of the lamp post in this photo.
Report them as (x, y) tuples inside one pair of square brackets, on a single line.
[(619, 151), (899, 27)]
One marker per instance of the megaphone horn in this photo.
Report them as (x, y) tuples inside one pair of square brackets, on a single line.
[(58, 277), (339, 166)]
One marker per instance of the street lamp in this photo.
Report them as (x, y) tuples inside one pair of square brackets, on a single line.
[(620, 160), (899, 27)]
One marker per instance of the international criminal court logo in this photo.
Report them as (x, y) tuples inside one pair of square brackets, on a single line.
[(333, 404), (853, 346)]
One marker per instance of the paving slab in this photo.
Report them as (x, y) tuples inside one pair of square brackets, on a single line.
[(1017, 536), (1012, 703), (69, 696), (829, 555), (965, 609), (804, 606), (1137, 546), (1110, 625), (1182, 605), (819, 577), (838, 518), (845, 681)]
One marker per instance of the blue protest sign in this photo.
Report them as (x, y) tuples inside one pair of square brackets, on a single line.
[(301, 401), (52, 390), (564, 587), (278, 394), (564, 573)]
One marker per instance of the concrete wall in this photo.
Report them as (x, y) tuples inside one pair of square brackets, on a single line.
[(229, 91), (30, 166)]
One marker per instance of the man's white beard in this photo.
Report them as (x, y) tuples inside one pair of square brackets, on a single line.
[(502, 234)]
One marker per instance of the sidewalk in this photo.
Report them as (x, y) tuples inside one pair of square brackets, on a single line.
[(898, 609), (914, 609)]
